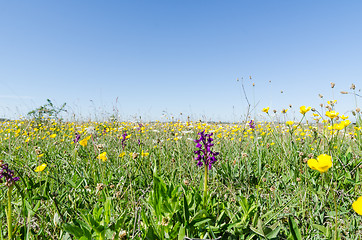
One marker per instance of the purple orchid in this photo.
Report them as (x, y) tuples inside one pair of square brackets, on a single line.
[(252, 124), (77, 137), (7, 174), (140, 126), (204, 153), (123, 141)]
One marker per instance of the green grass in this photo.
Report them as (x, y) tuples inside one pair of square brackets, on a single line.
[(260, 188)]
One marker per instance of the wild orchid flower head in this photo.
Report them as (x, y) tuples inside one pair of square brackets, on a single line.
[(204, 153), (123, 141), (77, 137), (252, 124), (7, 175)]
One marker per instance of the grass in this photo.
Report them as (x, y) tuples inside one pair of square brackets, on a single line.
[(150, 187)]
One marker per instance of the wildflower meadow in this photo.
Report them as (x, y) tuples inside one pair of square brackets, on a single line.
[(282, 176)]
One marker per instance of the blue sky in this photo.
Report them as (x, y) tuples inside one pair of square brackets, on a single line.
[(150, 58)]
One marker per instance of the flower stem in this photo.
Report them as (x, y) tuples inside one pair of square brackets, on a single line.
[(9, 217), (336, 219), (206, 174)]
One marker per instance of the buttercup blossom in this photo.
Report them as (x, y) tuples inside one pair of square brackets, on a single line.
[(357, 206), (303, 110), (103, 156), (346, 123), (332, 114), (344, 117), (40, 168), (289, 123), (144, 154), (84, 141), (321, 164), (266, 110)]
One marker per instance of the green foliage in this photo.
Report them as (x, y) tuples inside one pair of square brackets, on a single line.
[(260, 188), (47, 111)]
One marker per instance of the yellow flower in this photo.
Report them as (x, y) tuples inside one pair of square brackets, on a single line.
[(103, 156), (322, 164), (344, 117), (284, 110), (144, 154), (332, 114), (40, 168), (27, 140), (346, 123), (84, 141), (266, 110), (53, 135), (304, 110), (331, 102), (289, 123), (121, 155), (339, 126), (40, 155), (357, 206)]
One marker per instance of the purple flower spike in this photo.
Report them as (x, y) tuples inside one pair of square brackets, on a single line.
[(123, 141), (77, 137), (252, 124), (7, 175), (204, 153)]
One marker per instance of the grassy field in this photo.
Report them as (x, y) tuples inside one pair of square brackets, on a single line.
[(123, 180)]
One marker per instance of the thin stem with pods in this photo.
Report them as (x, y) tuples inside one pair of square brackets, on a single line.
[(336, 218), (276, 139), (8, 213), (206, 174)]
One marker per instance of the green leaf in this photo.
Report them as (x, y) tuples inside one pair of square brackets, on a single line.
[(186, 211), (294, 229), (107, 210), (71, 183), (181, 233), (320, 228), (72, 229), (273, 233), (202, 222), (257, 231)]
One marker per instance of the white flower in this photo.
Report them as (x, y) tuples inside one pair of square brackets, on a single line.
[(90, 130)]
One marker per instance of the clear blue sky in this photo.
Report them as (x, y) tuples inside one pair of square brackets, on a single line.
[(153, 57)]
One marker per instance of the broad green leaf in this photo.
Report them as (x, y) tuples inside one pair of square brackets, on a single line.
[(181, 233), (293, 227)]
